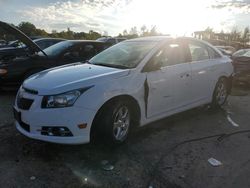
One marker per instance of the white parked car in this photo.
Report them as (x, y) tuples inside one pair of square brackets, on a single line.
[(130, 84)]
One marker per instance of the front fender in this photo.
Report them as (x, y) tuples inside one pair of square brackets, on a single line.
[(98, 95)]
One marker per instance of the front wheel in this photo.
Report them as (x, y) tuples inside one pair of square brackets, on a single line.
[(115, 121), (220, 93)]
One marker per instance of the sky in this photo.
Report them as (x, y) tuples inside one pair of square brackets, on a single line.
[(175, 17)]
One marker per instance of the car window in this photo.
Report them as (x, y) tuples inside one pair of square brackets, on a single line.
[(171, 54), (240, 52), (87, 51), (58, 48), (213, 54), (247, 54), (81, 52), (43, 44), (120, 40), (198, 52), (111, 41), (125, 54), (74, 52)]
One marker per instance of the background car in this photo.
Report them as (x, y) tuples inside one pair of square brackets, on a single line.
[(110, 41), (17, 48), (240, 52), (2, 43), (226, 50), (14, 70), (47, 42), (241, 63)]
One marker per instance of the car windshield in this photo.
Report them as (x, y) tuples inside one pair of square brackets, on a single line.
[(124, 55), (247, 54), (58, 48), (243, 52)]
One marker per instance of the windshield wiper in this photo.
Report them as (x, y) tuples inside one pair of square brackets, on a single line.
[(111, 65)]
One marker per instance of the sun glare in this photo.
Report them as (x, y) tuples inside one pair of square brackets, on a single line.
[(175, 17)]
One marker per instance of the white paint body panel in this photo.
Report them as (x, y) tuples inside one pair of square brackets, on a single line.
[(172, 89)]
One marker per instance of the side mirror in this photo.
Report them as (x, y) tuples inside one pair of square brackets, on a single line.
[(152, 66)]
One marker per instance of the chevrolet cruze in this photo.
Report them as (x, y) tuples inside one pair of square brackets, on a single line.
[(130, 84)]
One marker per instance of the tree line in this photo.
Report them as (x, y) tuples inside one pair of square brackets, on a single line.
[(32, 31), (134, 32)]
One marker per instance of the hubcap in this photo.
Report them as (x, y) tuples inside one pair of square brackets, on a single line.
[(221, 93), (121, 123)]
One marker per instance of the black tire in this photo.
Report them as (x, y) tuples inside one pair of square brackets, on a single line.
[(106, 123), (220, 93)]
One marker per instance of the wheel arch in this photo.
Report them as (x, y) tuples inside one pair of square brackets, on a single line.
[(132, 101), (229, 80)]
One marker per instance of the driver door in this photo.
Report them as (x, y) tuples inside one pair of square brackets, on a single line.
[(169, 85)]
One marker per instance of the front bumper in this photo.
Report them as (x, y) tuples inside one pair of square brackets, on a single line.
[(36, 118)]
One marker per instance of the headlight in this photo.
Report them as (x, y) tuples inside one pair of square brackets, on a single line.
[(3, 71), (62, 100)]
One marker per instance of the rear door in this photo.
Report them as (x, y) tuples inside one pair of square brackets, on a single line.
[(202, 71)]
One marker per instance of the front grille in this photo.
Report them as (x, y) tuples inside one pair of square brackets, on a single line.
[(24, 103)]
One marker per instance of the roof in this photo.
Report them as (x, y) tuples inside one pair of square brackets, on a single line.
[(153, 38), (83, 41), (39, 39), (162, 38)]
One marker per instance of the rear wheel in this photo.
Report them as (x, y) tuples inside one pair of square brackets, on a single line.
[(220, 93)]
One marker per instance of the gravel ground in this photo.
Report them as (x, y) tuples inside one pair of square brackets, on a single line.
[(170, 153)]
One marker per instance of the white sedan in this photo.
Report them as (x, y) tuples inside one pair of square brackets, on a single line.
[(130, 84)]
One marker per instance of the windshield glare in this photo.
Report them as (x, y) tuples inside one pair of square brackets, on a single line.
[(126, 54), (243, 52), (58, 48)]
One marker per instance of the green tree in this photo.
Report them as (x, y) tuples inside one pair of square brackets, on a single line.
[(41, 32), (133, 31), (28, 28), (245, 36), (93, 35), (144, 30), (153, 31), (125, 32), (235, 34)]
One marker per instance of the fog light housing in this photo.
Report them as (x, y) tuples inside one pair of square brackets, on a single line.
[(56, 131)]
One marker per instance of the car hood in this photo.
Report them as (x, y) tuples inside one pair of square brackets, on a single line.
[(69, 77), (21, 36)]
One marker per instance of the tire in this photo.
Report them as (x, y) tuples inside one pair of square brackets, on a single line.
[(114, 122), (220, 93)]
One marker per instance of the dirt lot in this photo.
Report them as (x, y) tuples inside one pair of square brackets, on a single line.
[(172, 153)]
